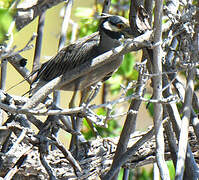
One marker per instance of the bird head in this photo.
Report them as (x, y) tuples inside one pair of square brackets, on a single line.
[(115, 26)]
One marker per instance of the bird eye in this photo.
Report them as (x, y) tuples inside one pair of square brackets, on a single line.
[(120, 26)]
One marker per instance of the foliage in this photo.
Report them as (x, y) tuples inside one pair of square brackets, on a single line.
[(145, 174), (6, 3), (171, 169), (5, 21), (87, 24), (124, 74), (112, 130), (6, 18), (149, 106)]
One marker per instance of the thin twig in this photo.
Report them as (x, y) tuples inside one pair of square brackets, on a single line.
[(185, 126), (126, 155), (38, 45), (3, 83), (64, 29), (130, 122), (75, 110), (66, 153), (19, 139), (74, 31), (18, 164), (47, 167), (62, 41)]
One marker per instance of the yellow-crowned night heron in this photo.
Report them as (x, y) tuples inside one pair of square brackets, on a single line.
[(111, 29)]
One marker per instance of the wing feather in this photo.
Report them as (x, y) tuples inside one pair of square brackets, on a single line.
[(69, 57)]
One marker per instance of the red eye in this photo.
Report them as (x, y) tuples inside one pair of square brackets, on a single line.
[(120, 26)]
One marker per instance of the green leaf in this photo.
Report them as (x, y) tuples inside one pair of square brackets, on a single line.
[(112, 130), (127, 65), (171, 169), (84, 12), (114, 83), (150, 106), (101, 111), (145, 175), (87, 132), (6, 3), (87, 26), (5, 21)]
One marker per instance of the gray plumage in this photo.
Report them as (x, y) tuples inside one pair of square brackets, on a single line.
[(111, 30)]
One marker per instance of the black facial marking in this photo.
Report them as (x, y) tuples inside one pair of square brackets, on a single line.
[(112, 34), (114, 20)]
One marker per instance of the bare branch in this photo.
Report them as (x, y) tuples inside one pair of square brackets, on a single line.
[(38, 45), (130, 122), (99, 154), (126, 155), (27, 11), (67, 154), (157, 92)]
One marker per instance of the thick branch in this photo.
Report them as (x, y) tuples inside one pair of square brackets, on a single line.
[(68, 77), (100, 154), (157, 91), (28, 10)]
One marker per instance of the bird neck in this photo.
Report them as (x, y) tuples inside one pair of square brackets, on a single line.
[(108, 42)]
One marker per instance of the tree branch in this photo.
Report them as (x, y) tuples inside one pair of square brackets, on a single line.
[(99, 154), (68, 77), (157, 91), (28, 10)]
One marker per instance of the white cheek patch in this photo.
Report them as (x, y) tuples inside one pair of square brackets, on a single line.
[(110, 27)]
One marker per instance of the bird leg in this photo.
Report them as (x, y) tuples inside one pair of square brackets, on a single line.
[(76, 123), (74, 139), (73, 99), (87, 95)]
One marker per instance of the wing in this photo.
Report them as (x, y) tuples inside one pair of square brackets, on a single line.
[(69, 57)]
